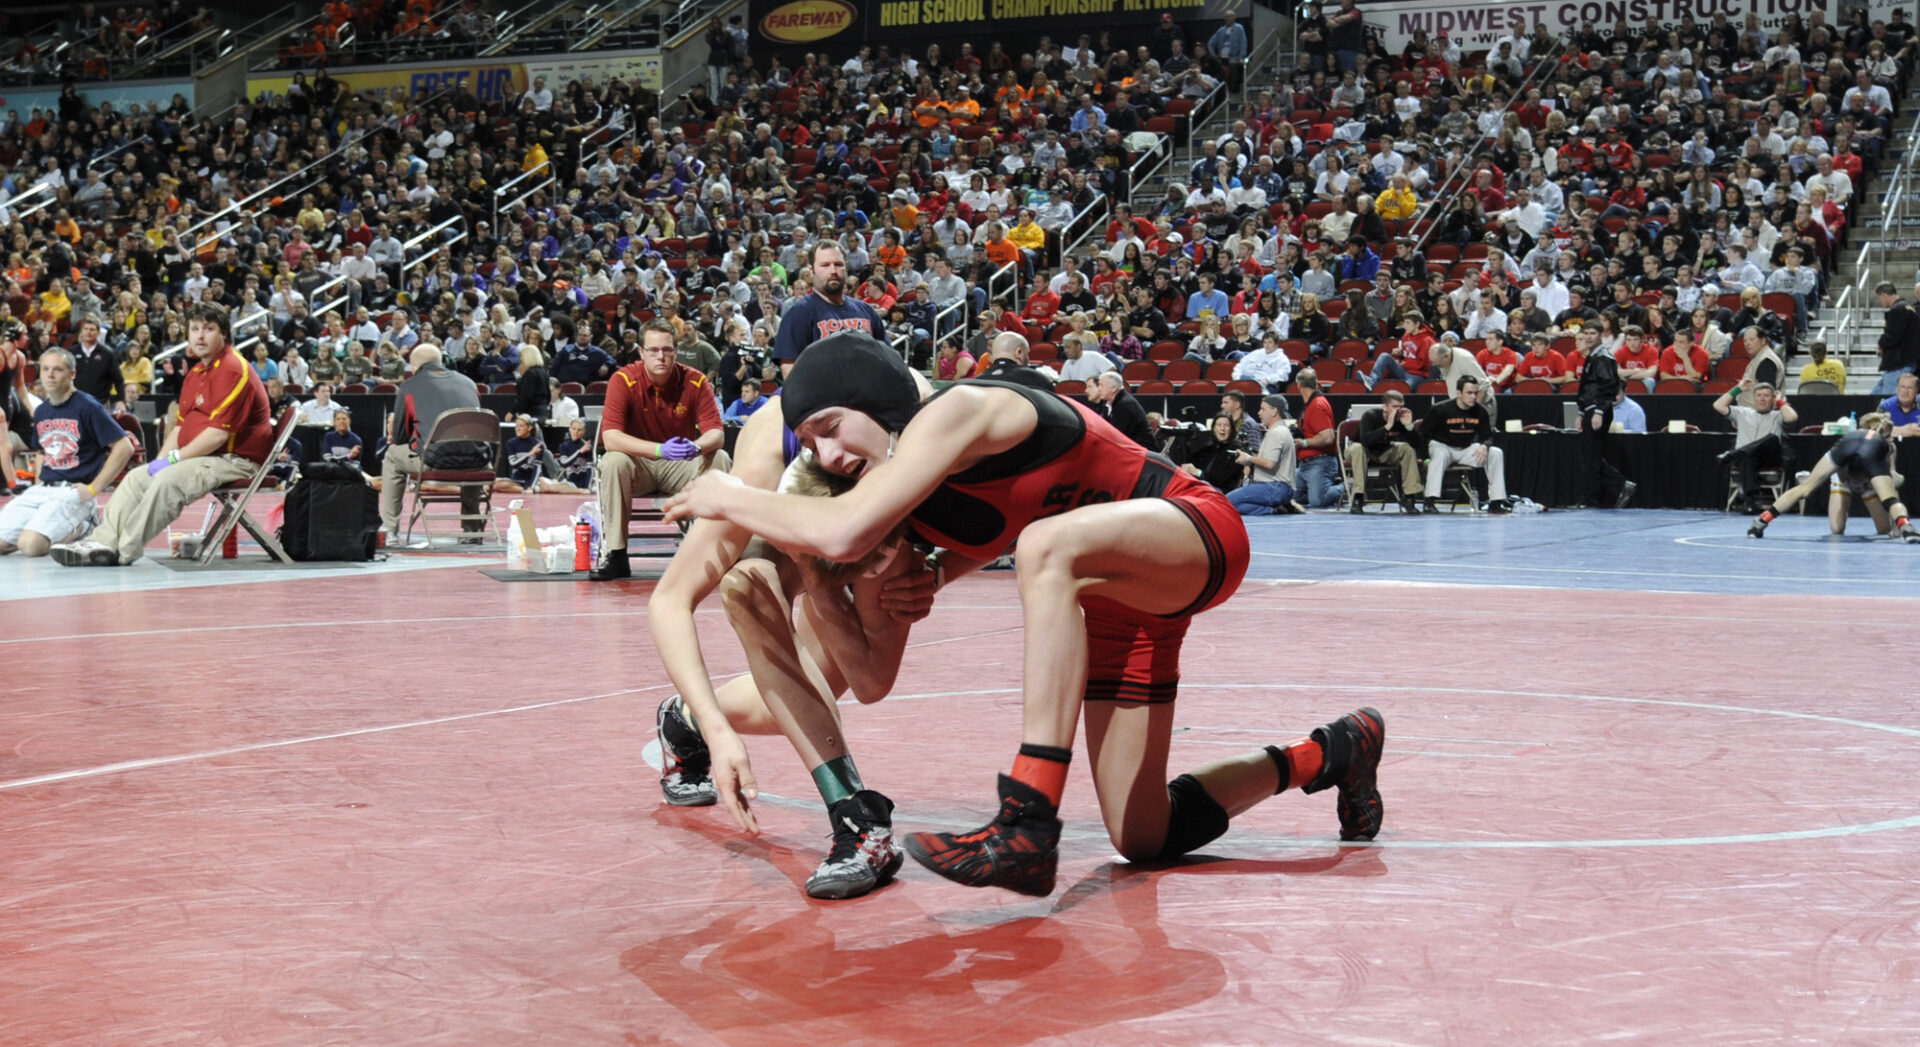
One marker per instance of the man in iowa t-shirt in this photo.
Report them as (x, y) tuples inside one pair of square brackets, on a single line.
[(827, 311), (225, 431)]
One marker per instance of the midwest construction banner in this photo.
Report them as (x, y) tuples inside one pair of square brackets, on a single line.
[(1477, 25)]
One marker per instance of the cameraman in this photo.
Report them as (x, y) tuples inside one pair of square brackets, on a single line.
[(739, 365)]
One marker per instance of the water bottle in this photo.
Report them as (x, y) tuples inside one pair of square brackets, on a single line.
[(1853, 420), (589, 514)]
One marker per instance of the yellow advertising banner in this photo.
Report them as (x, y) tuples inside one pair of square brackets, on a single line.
[(644, 67), (490, 83)]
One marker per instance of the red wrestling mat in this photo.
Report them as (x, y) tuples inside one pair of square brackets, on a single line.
[(414, 809)]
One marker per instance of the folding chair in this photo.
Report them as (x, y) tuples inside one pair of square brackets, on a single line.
[(465, 424), (232, 500)]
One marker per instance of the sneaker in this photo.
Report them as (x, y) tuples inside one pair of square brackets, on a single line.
[(1499, 507), (1909, 533), (1626, 494), (1428, 507), (865, 852), (1350, 761), (613, 568), (1758, 530), (685, 778), (85, 554), (1358, 504), (1409, 506), (1018, 850)]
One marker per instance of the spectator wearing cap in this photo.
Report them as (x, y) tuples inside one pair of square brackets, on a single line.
[(1270, 486)]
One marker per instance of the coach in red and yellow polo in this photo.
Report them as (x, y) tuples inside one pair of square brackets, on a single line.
[(661, 428), (225, 431)]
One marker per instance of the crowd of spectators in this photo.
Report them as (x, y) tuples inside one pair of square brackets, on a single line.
[(1634, 191), (94, 45)]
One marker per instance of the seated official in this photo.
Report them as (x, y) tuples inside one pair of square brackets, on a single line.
[(341, 444), (432, 390), (82, 449), (223, 435), (1459, 431), (661, 428), (1760, 438), (575, 456), (1387, 436)]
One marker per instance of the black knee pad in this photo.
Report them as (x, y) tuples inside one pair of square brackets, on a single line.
[(1194, 821)]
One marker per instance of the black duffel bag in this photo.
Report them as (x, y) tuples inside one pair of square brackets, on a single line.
[(332, 513)]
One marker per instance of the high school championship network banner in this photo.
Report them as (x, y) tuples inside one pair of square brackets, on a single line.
[(841, 26), (1478, 25)]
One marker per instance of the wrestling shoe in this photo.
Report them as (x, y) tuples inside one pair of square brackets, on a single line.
[(85, 554), (1626, 494), (1908, 533), (1350, 761), (1758, 530), (685, 778), (1018, 850), (865, 852)]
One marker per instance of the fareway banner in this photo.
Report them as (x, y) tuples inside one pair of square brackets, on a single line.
[(1478, 25)]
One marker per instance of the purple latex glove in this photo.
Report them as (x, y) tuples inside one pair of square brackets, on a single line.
[(154, 467), (679, 449)]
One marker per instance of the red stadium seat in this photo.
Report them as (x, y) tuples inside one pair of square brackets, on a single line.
[(1330, 370), (1674, 385), (1533, 387), (1177, 371), (1140, 371), (1162, 352), (1156, 387)]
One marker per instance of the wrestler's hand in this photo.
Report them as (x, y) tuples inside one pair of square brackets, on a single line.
[(733, 780), (704, 498), (908, 596)]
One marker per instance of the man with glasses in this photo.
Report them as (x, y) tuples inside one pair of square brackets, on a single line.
[(661, 428)]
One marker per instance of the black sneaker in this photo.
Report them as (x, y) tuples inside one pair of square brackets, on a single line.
[(1358, 504), (1350, 760), (613, 568), (865, 852), (686, 778), (1909, 533), (1018, 850), (1409, 506), (1626, 494), (1758, 530), (1499, 507), (1429, 507)]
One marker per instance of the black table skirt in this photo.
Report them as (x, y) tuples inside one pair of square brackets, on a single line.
[(1673, 470)]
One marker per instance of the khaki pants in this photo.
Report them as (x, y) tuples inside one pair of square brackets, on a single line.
[(399, 464), (1396, 454), (142, 506), (624, 478)]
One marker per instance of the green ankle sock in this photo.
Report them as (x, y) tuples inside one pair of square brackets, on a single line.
[(837, 779)]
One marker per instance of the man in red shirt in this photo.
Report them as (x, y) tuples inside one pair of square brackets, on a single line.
[(1042, 305), (1639, 362), (225, 431), (1500, 362), (1683, 359), (1317, 464), (1544, 363), (661, 428)]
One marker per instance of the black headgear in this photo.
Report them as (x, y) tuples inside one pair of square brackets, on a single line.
[(851, 369)]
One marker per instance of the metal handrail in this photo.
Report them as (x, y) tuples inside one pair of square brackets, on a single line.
[(541, 20), (30, 192), (117, 150), (1101, 202), (180, 346), (431, 253), (1011, 270), (1201, 112), (1442, 200), (940, 331)]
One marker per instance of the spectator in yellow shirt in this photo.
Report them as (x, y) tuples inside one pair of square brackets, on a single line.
[(536, 159), (1824, 368), (1029, 237), (1399, 201)]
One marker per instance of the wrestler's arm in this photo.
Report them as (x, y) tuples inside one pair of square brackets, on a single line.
[(964, 423), (705, 555)]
